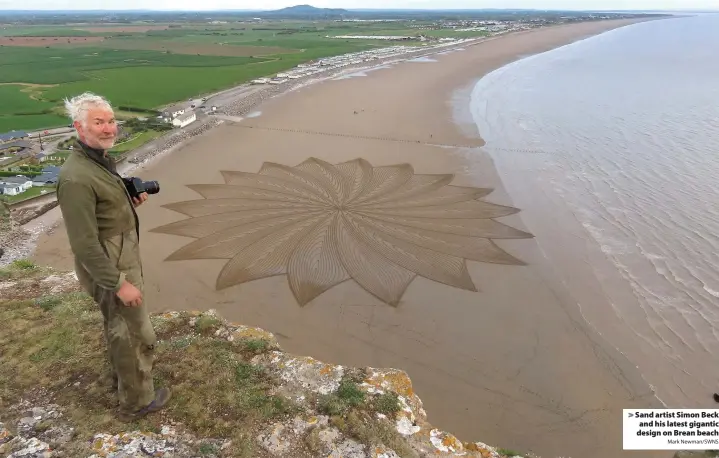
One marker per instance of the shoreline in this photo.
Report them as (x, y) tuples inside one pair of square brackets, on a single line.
[(440, 355)]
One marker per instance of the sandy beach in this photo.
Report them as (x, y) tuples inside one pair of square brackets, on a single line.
[(368, 229)]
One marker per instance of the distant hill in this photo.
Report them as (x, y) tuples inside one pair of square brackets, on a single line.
[(306, 10)]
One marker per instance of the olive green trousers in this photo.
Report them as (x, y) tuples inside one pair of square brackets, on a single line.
[(130, 340)]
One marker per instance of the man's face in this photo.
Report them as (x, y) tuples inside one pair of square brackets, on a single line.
[(99, 130)]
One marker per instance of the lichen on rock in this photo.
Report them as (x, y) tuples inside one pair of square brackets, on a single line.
[(302, 373)]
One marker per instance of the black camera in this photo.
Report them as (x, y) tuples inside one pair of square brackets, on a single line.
[(136, 186)]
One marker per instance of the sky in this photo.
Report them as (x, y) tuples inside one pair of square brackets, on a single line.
[(422, 4)]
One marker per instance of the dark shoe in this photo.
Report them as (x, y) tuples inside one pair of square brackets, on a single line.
[(161, 397)]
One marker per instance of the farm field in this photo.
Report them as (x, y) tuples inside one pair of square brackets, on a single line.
[(137, 140), (148, 66), (19, 108)]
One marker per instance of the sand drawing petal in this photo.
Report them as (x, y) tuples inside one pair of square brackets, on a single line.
[(206, 225), (374, 272), (283, 185), (205, 207), (460, 210), (329, 176), (487, 228), (434, 265), (227, 243), (314, 265), (472, 248), (384, 180), (357, 174), (416, 185), (268, 256), (300, 176), (444, 196), (220, 191)]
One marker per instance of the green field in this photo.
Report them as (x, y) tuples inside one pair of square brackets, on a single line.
[(136, 141), (41, 31), (149, 69), (16, 100), (19, 111), (66, 65)]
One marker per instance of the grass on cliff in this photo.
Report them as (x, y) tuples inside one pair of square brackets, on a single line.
[(53, 350), (353, 412)]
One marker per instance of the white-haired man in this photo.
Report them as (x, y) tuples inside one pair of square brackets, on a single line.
[(103, 230)]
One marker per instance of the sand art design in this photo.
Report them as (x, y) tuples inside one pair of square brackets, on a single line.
[(322, 224)]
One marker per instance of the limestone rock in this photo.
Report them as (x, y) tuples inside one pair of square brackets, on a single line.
[(335, 445), (302, 373), (348, 448), (383, 452), (5, 435), (406, 428), (58, 435), (26, 426), (28, 448), (279, 439), (135, 443), (445, 442)]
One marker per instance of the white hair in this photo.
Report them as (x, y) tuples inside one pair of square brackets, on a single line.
[(78, 106)]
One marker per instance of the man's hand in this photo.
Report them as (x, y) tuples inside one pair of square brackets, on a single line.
[(129, 295), (139, 201)]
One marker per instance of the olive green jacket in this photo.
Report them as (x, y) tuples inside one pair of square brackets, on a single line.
[(100, 221)]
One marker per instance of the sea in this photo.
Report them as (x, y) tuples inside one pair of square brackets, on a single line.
[(621, 131)]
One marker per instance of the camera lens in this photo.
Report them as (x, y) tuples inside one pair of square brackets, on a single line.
[(151, 187)]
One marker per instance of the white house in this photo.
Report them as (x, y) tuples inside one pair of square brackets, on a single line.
[(24, 182), (10, 189), (184, 119), (174, 111)]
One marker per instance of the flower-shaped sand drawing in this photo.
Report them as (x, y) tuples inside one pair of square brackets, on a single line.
[(322, 224)]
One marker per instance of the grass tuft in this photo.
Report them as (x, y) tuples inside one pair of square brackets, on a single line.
[(208, 449), (207, 325), (21, 269), (48, 302), (256, 345), (387, 403), (360, 426), (350, 393), (24, 264)]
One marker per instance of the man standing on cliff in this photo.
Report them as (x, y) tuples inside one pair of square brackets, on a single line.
[(103, 230)]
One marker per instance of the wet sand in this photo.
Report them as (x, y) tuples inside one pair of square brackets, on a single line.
[(374, 250)]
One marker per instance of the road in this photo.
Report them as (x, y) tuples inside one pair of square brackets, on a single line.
[(55, 131)]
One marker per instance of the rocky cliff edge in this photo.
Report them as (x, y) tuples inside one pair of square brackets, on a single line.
[(235, 391)]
